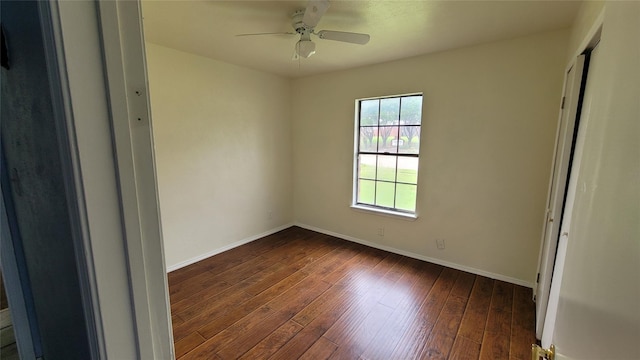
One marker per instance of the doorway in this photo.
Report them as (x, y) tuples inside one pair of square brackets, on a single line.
[(561, 190)]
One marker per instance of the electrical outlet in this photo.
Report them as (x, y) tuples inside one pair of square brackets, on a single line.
[(440, 244), (270, 214), (381, 231)]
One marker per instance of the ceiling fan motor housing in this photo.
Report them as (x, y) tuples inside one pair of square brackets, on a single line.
[(298, 25)]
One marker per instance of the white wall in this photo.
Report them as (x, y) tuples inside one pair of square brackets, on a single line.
[(489, 121), (223, 152), (599, 309), (587, 15)]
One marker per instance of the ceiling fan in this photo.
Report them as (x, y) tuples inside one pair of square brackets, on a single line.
[(304, 22)]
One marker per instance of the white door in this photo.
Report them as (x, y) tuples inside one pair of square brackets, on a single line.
[(565, 227), (558, 187)]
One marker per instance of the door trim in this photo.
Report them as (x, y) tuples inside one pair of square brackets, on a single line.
[(565, 226), (63, 115), (127, 90), (561, 169)]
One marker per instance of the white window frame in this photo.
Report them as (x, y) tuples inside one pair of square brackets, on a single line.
[(376, 208)]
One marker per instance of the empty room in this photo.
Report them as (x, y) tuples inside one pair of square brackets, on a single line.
[(320, 179), (367, 179)]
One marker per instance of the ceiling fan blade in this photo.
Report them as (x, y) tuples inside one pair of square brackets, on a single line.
[(349, 37), (314, 11), (273, 33)]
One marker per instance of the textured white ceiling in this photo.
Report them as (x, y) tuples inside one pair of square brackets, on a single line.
[(398, 29)]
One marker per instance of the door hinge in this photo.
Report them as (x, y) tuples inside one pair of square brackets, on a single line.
[(562, 105), (538, 352), (538, 278)]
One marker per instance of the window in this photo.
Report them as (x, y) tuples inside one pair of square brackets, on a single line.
[(387, 153)]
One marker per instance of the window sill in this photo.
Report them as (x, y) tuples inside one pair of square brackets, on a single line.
[(383, 212)]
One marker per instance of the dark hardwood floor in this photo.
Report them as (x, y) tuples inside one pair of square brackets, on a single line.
[(301, 294)]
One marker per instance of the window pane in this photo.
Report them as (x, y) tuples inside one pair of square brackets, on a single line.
[(385, 193), (408, 170), (388, 139), (410, 136), (368, 141), (369, 112), (386, 168), (406, 197), (366, 191), (411, 111), (367, 167), (389, 111), (388, 145)]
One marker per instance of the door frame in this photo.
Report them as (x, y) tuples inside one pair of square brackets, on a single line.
[(559, 179), (553, 261), (95, 55), (124, 59), (565, 228)]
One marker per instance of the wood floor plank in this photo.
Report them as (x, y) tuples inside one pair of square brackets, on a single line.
[(235, 293), (268, 280), (463, 285), (412, 280), (325, 246), (475, 316), (205, 285), (497, 335), (188, 343), (322, 304), (371, 257), (302, 294), (244, 340), (335, 267), (418, 332), (209, 314), (369, 289), (245, 334), (405, 312), (494, 346), (176, 319), (320, 350), (335, 310), (273, 341), (210, 308), (362, 279), (239, 311), (523, 320), (446, 328), (465, 349), (313, 330), (444, 332), (405, 265), (499, 318), (355, 342)]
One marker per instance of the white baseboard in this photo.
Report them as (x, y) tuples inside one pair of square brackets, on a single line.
[(227, 247), (356, 240), (420, 257)]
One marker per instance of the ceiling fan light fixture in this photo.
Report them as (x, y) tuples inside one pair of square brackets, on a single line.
[(305, 48)]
